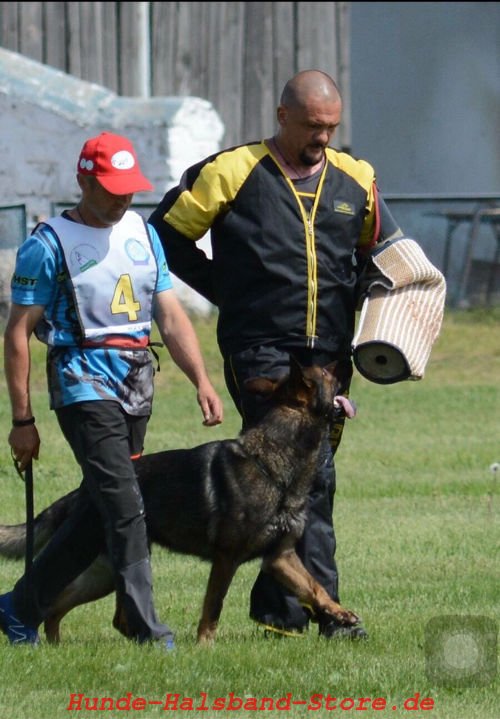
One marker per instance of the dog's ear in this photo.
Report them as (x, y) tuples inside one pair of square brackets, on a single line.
[(260, 385), (298, 378), (332, 368), (296, 370), (342, 371)]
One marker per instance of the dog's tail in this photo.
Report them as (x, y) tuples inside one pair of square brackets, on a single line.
[(13, 536)]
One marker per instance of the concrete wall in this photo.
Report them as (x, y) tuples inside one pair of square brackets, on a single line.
[(425, 111), (46, 117), (426, 95)]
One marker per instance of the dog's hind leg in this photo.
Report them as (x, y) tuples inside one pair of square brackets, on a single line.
[(287, 568), (120, 622), (94, 583), (221, 575)]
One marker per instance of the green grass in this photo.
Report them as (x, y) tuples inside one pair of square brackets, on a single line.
[(417, 512)]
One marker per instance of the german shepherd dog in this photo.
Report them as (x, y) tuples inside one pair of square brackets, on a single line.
[(227, 501)]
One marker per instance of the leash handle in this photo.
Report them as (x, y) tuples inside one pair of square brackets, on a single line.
[(30, 517), (29, 552)]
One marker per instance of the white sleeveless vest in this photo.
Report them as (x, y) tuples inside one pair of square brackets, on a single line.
[(113, 272)]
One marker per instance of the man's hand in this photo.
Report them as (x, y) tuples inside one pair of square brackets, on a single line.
[(211, 405), (25, 443)]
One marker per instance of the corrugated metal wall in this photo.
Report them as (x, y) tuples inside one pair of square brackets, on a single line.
[(237, 55)]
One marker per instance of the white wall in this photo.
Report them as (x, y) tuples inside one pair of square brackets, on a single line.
[(47, 116)]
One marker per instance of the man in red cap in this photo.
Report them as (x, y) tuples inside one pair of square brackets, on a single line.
[(89, 283)]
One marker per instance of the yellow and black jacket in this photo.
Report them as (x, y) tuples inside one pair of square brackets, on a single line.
[(283, 266)]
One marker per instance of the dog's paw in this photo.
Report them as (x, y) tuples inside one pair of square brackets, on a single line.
[(346, 617), (334, 630)]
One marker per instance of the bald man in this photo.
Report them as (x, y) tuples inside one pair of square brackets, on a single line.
[(291, 222)]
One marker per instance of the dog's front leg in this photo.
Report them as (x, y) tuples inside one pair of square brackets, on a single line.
[(221, 575), (287, 568)]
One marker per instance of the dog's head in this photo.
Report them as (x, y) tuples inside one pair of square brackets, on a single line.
[(314, 388)]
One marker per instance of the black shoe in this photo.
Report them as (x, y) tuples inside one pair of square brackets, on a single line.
[(334, 630)]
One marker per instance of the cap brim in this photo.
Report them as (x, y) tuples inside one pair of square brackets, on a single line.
[(125, 184)]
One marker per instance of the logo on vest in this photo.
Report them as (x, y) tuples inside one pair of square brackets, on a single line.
[(343, 207), (83, 257), (137, 252)]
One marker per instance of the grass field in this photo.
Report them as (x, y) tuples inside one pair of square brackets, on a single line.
[(417, 521)]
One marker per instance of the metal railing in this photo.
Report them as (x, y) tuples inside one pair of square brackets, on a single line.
[(461, 235)]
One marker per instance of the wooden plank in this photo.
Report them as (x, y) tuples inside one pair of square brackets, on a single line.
[(258, 100), (31, 28), (316, 37), (111, 65), (73, 47), (54, 22), (182, 56), (194, 49), (92, 35), (225, 60), (163, 41), (344, 139), (130, 40), (10, 33), (284, 39)]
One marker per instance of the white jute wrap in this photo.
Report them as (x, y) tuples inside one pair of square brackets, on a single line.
[(401, 315)]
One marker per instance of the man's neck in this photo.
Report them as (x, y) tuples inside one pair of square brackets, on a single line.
[(295, 170)]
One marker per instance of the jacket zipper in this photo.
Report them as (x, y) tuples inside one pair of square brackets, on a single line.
[(312, 268), (312, 290)]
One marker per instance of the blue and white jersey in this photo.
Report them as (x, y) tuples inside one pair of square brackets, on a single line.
[(97, 287)]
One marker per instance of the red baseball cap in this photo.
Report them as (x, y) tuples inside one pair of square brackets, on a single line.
[(112, 159)]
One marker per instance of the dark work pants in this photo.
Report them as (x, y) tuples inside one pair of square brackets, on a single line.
[(270, 602), (109, 516)]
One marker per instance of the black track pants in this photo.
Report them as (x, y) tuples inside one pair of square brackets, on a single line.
[(109, 516)]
